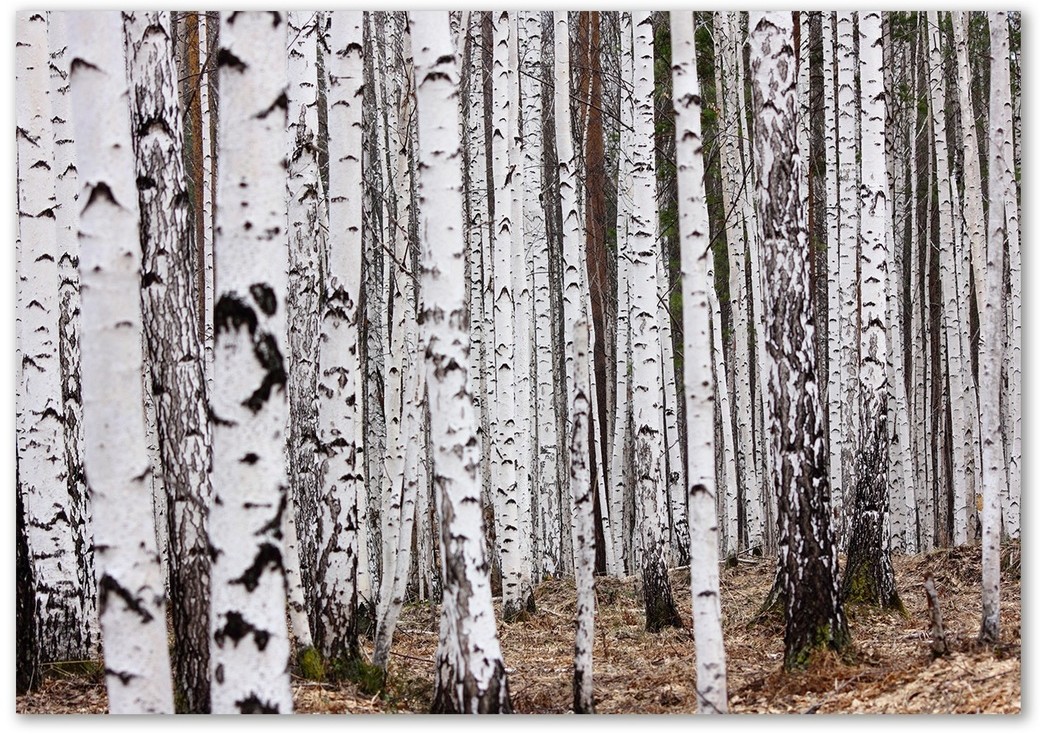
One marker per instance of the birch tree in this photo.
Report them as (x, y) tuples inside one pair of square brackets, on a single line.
[(583, 530), (991, 317), (54, 519), (66, 192), (340, 430), (869, 576), (176, 359), (808, 556), (250, 653), (517, 595), (646, 346), (958, 362), (697, 378), (546, 488), (848, 253), (470, 675), (130, 588), (307, 231)]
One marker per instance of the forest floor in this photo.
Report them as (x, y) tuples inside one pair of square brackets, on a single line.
[(890, 668)]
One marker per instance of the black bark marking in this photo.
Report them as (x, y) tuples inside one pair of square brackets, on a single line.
[(269, 356), (108, 585), (232, 312), (101, 190), (78, 63), (264, 296), (254, 705), (149, 279), (249, 458), (274, 526), (267, 555), (281, 103), (226, 58), (123, 676), (236, 628)]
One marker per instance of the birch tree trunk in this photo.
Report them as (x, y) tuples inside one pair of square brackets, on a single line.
[(130, 588), (583, 529), (176, 358), (958, 364), (994, 469), (340, 431), (206, 245), (66, 190), (250, 657), (697, 379), (404, 380), (834, 242), (547, 477), (646, 345), (523, 333), (808, 555), (55, 517), (620, 476), (869, 577), (1011, 501), (470, 674), (516, 595), (307, 232), (848, 254)]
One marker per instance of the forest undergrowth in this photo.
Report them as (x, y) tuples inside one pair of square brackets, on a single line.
[(889, 670)]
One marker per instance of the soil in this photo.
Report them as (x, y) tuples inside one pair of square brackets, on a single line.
[(890, 668)]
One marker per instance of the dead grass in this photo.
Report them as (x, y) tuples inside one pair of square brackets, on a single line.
[(890, 669)]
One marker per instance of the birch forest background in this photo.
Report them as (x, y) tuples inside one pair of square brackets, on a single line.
[(535, 362)]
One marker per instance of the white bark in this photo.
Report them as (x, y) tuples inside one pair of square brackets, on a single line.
[(176, 378), (478, 193), (1008, 191), (340, 432), (583, 529), (306, 243), (958, 362), (848, 253), (515, 594), (404, 381), (130, 588), (921, 375), (694, 241), (675, 473), (52, 513), (66, 191), (546, 491), (834, 216), (620, 469), (206, 116), (250, 656), (991, 343), (902, 459), (523, 334), (470, 674), (652, 510), (738, 231)]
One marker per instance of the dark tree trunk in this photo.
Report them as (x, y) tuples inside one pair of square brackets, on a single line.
[(808, 556), (27, 651)]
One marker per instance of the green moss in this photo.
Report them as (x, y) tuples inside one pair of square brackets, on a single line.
[(310, 664), (370, 679), (76, 669), (822, 638)]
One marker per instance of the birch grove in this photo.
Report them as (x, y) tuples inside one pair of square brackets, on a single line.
[(355, 350)]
